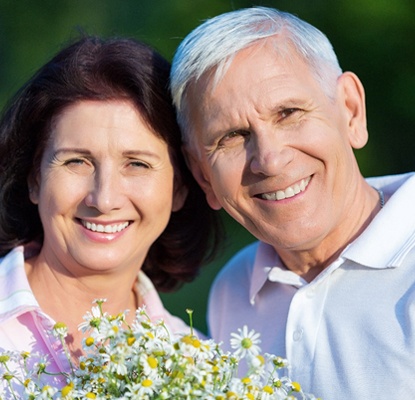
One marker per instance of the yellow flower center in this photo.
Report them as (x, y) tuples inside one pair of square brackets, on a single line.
[(147, 382), (8, 377), (246, 343), (4, 358), (278, 383), (268, 389), (261, 359), (278, 362), (131, 340), (150, 335), (187, 339), (59, 325), (152, 362), (66, 390)]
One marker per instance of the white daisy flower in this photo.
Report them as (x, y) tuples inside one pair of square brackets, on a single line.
[(143, 361), (245, 342), (92, 319)]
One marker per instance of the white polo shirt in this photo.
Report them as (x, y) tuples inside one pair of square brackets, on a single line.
[(350, 333)]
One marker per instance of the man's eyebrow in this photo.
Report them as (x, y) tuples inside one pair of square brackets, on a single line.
[(290, 101)]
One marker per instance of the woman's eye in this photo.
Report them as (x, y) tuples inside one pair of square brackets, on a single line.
[(140, 164), (79, 165), (75, 161)]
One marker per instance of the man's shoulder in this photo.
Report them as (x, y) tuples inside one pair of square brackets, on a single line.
[(229, 293), (242, 260), (391, 183), (238, 269)]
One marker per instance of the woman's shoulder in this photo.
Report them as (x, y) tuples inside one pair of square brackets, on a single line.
[(149, 298), (11, 259)]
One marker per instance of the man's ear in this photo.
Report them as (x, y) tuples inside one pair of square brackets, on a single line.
[(195, 165), (352, 96)]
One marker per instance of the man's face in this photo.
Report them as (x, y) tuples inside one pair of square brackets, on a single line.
[(270, 147)]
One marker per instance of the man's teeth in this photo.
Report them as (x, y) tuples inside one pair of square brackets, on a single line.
[(105, 228), (289, 192)]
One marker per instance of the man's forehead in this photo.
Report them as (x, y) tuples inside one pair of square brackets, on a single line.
[(251, 70), (277, 52)]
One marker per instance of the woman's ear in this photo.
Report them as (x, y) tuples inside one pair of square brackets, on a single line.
[(180, 193), (352, 97), (33, 188), (195, 165)]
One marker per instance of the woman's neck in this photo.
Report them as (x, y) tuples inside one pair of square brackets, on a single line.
[(66, 298)]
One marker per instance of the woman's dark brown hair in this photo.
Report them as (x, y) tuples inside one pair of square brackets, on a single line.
[(98, 69)]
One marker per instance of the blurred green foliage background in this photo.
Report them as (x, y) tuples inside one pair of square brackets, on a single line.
[(373, 38)]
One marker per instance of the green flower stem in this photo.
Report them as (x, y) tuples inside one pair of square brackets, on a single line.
[(67, 354), (190, 314)]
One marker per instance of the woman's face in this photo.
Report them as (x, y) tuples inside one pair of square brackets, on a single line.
[(105, 190)]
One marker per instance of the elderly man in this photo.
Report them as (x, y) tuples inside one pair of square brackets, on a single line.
[(270, 122)]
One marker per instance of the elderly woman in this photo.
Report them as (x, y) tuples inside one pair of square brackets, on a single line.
[(95, 198)]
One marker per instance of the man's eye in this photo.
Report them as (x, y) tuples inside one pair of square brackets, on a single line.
[(232, 137), (288, 111)]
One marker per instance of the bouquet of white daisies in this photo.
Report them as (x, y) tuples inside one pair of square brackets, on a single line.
[(144, 362)]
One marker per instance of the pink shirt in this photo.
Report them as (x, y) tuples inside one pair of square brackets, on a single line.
[(25, 327)]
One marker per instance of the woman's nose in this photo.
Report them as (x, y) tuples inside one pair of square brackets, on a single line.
[(106, 192)]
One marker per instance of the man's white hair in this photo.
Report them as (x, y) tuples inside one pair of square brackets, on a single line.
[(213, 44)]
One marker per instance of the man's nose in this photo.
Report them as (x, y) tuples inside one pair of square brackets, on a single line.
[(269, 154)]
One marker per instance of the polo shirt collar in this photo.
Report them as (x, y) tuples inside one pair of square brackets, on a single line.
[(382, 245), (17, 296), (379, 246)]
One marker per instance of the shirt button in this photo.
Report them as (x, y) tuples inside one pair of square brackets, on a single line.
[(297, 335), (311, 293)]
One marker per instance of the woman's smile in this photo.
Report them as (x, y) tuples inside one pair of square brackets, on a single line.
[(105, 228), (104, 168)]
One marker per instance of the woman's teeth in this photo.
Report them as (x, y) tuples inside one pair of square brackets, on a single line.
[(104, 228), (288, 192)]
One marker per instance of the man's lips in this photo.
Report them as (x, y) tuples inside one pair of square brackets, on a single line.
[(290, 191)]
